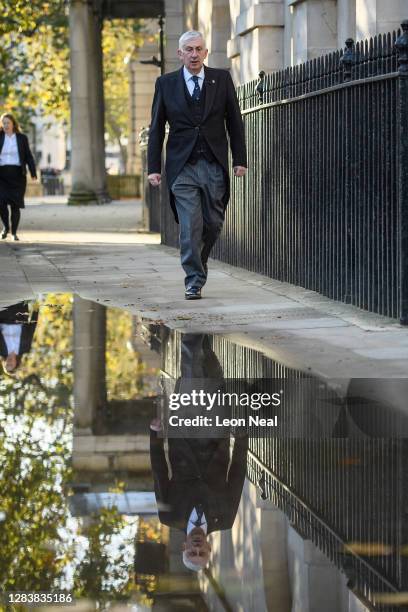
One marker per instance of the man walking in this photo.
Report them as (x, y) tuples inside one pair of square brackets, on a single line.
[(203, 492), (198, 103)]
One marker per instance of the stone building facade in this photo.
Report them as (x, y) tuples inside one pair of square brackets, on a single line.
[(244, 36), (247, 36)]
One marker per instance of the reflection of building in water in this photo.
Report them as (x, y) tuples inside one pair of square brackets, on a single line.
[(111, 439), (310, 506), (328, 497)]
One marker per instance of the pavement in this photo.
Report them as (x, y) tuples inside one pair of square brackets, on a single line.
[(51, 220), (103, 254)]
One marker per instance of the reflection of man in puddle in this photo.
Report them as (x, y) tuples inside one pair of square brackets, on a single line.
[(16, 334), (202, 494)]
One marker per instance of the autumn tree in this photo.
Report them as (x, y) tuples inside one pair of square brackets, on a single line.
[(40, 542), (34, 64), (34, 58), (120, 42)]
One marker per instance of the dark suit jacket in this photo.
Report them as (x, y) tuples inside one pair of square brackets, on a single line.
[(200, 475), (18, 313), (24, 152), (221, 111)]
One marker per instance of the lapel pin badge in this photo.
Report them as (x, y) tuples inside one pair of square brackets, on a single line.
[(213, 81)]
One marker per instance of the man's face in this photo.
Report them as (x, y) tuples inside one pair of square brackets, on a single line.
[(197, 548), (193, 54)]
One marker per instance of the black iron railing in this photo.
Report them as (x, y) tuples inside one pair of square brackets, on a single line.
[(325, 202), (344, 509)]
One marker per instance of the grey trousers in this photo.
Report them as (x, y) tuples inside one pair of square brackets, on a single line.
[(198, 192)]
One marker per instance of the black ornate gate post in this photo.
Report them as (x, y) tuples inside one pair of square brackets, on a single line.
[(347, 62), (402, 49)]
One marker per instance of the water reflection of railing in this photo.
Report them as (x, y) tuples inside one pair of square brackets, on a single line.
[(341, 514), (345, 494)]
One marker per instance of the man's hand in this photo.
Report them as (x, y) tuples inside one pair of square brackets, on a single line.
[(239, 170), (154, 179), (156, 424)]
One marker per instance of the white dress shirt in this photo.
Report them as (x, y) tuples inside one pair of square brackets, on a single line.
[(193, 518), (12, 336), (188, 77), (9, 154)]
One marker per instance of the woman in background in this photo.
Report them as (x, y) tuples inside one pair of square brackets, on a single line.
[(15, 155), (17, 327)]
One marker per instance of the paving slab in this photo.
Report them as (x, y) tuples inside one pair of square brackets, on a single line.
[(102, 253), (49, 214), (292, 325), (78, 237)]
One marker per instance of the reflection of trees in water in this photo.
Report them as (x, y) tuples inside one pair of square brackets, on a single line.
[(127, 376), (35, 414), (38, 539), (104, 572), (41, 545), (32, 475)]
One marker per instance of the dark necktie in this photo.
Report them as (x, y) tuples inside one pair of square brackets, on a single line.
[(200, 512), (196, 91)]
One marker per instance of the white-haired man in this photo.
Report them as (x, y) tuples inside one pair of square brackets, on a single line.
[(201, 107), (202, 494)]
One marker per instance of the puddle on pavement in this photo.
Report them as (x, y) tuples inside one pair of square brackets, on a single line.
[(306, 515)]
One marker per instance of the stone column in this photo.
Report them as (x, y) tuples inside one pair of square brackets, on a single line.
[(313, 29), (233, 45), (142, 82), (89, 362), (375, 16), (87, 117), (346, 21), (257, 41), (133, 144), (174, 27), (273, 522), (214, 22), (191, 14), (98, 110), (316, 584)]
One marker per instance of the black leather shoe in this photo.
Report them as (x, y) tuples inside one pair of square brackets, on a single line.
[(4, 234), (193, 293), (15, 238)]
